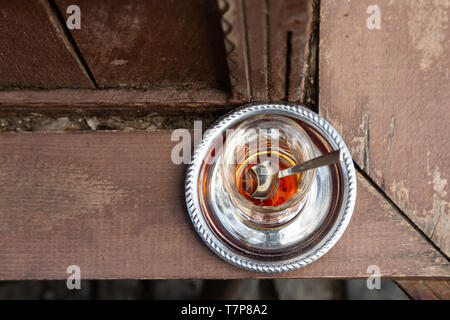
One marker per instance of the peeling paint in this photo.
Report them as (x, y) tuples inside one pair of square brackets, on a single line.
[(357, 146), (119, 62), (366, 129), (401, 193), (326, 53), (427, 26), (390, 134), (439, 198), (360, 146)]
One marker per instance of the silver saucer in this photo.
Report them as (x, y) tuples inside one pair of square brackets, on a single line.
[(322, 221)]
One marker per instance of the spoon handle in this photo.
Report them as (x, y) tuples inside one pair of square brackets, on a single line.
[(323, 160)]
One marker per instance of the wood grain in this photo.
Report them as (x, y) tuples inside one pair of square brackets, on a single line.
[(164, 99), (426, 289), (113, 204), (266, 43), (288, 34), (387, 92), (152, 43), (34, 51), (236, 45)]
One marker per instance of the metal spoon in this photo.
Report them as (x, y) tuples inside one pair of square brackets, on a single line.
[(267, 179)]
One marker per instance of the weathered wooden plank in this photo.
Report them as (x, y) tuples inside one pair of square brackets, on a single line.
[(112, 98), (257, 33), (426, 289), (34, 51), (236, 45), (266, 43), (152, 44), (277, 43), (288, 21), (298, 26), (388, 92), (113, 204)]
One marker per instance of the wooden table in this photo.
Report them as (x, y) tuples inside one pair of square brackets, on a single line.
[(113, 202)]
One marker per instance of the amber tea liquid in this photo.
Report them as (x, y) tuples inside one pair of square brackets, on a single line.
[(246, 180)]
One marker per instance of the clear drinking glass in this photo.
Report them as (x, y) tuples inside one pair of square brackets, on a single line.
[(274, 138)]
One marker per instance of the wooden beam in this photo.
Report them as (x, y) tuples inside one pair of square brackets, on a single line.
[(288, 37), (387, 92), (35, 51), (152, 43), (236, 46), (113, 204), (112, 99), (426, 289), (265, 43)]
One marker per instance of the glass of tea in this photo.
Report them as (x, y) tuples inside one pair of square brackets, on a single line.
[(284, 143)]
